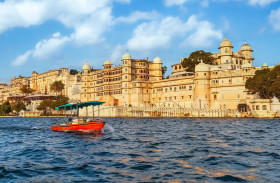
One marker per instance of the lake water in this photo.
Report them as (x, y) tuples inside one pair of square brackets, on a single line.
[(142, 150)]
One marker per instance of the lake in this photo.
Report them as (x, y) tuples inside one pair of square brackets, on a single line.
[(142, 150)]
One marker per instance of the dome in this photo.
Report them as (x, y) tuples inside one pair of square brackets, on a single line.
[(202, 67), (225, 43), (86, 66), (246, 47), (157, 60), (126, 56), (107, 62), (264, 64)]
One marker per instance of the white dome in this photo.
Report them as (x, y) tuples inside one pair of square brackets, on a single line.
[(107, 62), (202, 67), (264, 64), (126, 56), (157, 60), (246, 47), (225, 43), (86, 66)]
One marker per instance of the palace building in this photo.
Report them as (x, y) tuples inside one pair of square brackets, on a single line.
[(139, 83)]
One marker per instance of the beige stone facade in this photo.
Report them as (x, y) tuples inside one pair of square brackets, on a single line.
[(4, 92), (138, 83), (41, 83)]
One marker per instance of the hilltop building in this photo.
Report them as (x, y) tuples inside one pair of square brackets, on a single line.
[(139, 83)]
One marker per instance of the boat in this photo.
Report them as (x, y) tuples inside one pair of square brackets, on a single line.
[(80, 124)]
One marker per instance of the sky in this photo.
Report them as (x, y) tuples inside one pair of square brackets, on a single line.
[(42, 35)]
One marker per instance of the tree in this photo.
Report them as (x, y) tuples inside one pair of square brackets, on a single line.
[(195, 58), (266, 83), (164, 69), (73, 72), (5, 108), (45, 105), (26, 90), (59, 101), (57, 86), (18, 106)]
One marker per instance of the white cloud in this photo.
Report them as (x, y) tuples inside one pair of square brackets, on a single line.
[(46, 48), (43, 50), (203, 35), (274, 19), (174, 2), (261, 2), (138, 15), (88, 19), (117, 53), (159, 34), (22, 59)]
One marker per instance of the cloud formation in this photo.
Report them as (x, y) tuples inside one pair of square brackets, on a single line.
[(274, 19), (261, 2), (88, 19), (159, 34)]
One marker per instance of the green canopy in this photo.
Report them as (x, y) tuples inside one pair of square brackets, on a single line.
[(80, 105)]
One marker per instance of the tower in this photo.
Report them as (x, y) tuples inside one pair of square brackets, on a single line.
[(126, 78), (202, 86), (85, 82), (156, 69), (226, 51), (247, 53)]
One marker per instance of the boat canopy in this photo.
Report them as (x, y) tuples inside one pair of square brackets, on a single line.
[(79, 105)]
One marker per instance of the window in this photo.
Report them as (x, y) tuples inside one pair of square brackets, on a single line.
[(190, 87), (205, 95), (264, 107), (204, 74), (257, 107), (182, 97), (253, 107), (215, 97), (227, 61), (238, 96)]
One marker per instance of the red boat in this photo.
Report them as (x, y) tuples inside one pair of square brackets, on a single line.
[(80, 124)]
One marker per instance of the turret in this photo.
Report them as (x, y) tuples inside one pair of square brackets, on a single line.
[(157, 69), (202, 86), (226, 51), (247, 52)]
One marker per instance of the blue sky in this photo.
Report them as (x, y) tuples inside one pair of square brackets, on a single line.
[(48, 34)]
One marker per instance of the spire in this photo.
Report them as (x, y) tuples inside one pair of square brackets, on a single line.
[(225, 37), (245, 42), (201, 61)]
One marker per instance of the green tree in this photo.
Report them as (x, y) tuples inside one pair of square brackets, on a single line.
[(164, 69), (45, 105), (5, 108), (18, 106), (73, 72), (60, 100), (266, 83), (26, 90), (57, 86), (195, 58)]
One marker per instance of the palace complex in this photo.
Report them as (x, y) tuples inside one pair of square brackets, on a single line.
[(139, 83)]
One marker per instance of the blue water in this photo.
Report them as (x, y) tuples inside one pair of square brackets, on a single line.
[(142, 150)]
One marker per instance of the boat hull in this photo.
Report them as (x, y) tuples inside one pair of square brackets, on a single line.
[(91, 126)]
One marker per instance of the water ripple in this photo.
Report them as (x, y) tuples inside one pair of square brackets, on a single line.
[(170, 150)]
